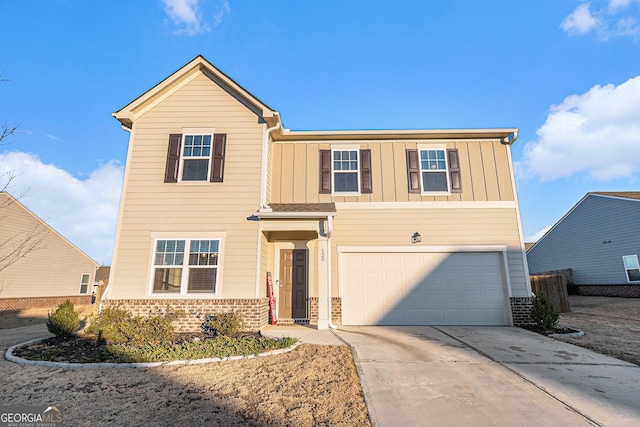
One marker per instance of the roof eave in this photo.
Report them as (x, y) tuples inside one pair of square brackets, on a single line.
[(506, 135), (293, 215)]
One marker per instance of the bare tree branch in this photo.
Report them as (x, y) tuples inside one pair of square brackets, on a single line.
[(15, 245), (6, 132)]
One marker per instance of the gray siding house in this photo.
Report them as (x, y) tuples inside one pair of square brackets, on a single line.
[(599, 240)]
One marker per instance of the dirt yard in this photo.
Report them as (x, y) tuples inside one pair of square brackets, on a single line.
[(313, 385), (611, 325)]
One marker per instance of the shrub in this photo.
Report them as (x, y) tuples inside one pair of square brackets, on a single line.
[(119, 326), (543, 314), (222, 324), (64, 321)]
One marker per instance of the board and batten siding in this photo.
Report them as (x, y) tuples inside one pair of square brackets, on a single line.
[(53, 269), (485, 172), (578, 241), (152, 206), (438, 227)]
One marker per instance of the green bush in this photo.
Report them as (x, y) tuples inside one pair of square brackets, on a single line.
[(213, 347), (119, 326), (64, 321), (543, 314), (223, 324)]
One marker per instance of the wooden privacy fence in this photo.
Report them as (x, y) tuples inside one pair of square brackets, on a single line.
[(555, 286)]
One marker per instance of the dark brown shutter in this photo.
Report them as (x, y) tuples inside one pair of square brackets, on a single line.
[(325, 171), (366, 185), (454, 171), (217, 161), (413, 171), (173, 158)]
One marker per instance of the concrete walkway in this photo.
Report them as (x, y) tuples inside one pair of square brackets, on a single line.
[(500, 376), (306, 334)]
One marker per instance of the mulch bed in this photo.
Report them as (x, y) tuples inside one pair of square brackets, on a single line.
[(85, 349)]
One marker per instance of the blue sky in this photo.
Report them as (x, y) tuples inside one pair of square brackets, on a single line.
[(566, 72)]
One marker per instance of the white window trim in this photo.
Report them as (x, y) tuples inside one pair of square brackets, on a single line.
[(88, 283), (442, 147), (333, 172), (187, 237), (626, 270), (195, 132)]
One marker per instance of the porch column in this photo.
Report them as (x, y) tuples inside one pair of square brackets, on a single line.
[(323, 281)]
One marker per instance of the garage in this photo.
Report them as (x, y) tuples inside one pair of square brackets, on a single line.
[(423, 288)]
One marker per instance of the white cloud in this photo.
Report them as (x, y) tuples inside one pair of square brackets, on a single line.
[(52, 137), (615, 20), (186, 16), (597, 133), (536, 236), (580, 21), (83, 211), (617, 5), (220, 14)]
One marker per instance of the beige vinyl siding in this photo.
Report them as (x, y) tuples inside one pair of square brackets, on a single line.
[(54, 269), (485, 172), (151, 206), (438, 227)]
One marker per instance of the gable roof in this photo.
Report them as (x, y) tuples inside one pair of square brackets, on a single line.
[(628, 195), (623, 194), (9, 200), (136, 108), (139, 106)]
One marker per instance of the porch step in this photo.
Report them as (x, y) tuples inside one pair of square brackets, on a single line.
[(293, 321)]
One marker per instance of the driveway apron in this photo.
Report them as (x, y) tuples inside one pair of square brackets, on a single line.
[(471, 376)]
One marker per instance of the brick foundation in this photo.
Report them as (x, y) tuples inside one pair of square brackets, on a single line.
[(254, 311), (624, 291), (520, 311), (15, 304), (336, 310)]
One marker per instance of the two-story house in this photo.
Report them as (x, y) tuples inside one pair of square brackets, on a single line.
[(393, 227)]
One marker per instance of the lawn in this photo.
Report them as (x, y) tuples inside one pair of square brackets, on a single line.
[(611, 325), (309, 386)]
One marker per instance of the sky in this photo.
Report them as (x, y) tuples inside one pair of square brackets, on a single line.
[(565, 72)]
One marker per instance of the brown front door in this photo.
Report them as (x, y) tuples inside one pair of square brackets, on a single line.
[(293, 284), (299, 284)]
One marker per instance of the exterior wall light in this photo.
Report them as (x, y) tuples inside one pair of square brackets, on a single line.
[(416, 238)]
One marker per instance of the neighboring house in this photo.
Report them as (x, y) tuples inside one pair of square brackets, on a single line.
[(41, 267), (599, 240), (358, 227)]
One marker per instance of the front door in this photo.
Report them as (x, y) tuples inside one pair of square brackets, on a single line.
[(293, 284), (299, 284)]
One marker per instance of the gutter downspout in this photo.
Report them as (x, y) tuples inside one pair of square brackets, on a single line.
[(265, 153), (329, 230)]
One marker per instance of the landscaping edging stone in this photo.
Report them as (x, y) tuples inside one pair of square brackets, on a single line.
[(569, 335), (15, 359)]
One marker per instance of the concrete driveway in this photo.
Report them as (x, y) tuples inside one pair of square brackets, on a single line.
[(499, 376)]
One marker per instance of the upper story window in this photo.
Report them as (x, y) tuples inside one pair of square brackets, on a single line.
[(632, 267), (346, 175), (196, 156), (433, 170), (345, 171), (184, 266)]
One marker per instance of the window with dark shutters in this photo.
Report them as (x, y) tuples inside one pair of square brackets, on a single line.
[(217, 162), (325, 171), (413, 171), (454, 171), (366, 184), (173, 158)]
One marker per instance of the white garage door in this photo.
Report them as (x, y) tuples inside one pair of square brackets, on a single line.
[(423, 289)]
